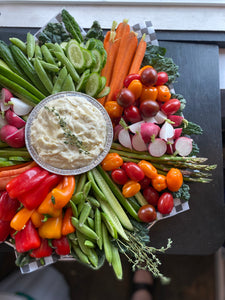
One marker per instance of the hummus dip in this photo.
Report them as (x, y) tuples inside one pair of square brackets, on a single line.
[(68, 133)]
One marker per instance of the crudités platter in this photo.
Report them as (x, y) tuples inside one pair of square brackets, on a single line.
[(107, 211)]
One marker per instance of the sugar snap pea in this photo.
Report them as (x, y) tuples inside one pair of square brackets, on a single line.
[(81, 182), (116, 262), (37, 52), (81, 240), (89, 244), (47, 54), (84, 213), (95, 187), (87, 188), (93, 201), (19, 43), (91, 223), (81, 256), (43, 75), (98, 227), (74, 209), (78, 197), (59, 81), (106, 244), (93, 257), (68, 84), (84, 229), (30, 45)]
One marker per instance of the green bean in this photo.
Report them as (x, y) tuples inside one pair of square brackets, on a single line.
[(20, 44), (74, 209), (43, 75), (106, 244), (30, 45), (47, 55), (116, 262), (84, 229), (68, 84), (84, 213), (59, 81), (37, 52), (98, 227)]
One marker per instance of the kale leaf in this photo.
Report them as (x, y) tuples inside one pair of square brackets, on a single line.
[(191, 128), (183, 192), (95, 32), (53, 33)]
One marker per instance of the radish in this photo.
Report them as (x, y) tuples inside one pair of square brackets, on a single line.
[(2, 121), (6, 131), (138, 143), (170, 149), (136, 127), (177, 120), (183, 146), (157, 148), (177, 133), (116, 131), (14, 119), (160, 117), (149, 130), (16, 139), (6, 96), (149, 119), (19, 107), (166, 131), (124, 138)]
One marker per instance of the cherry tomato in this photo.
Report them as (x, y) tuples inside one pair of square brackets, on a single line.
[(151, 195), (119, 176), (162, 78), (147, 213), (149, 108), (130, 78), (149, 76), (145, 182), (132, 114), (165, 203), (170, 107), (125, 98), (134, 172), (163, 93)]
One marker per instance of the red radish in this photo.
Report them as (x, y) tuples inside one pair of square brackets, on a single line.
[(138, 143), (6, 131), (148, 130), (16, 139), (116, 131), (183, 146), (124, 138), (166, 131), (19, 107), (13, 119), (160, 117), (157, 148), (2, 121), (149, 119), (177, 133), (6, 96), (169, 149), (176, 119), (136, 127)]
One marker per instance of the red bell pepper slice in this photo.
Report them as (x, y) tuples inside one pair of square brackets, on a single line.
[(43, 251), (4, 230), (33, 198), (62, 246), (8, 207), (26, 181), (27, 238)]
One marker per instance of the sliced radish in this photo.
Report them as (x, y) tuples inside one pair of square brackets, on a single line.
[(19, 107), (166, 131), (116, 131), (160, 117), (148, 130), (6, 131), (183, 146), (2, 121), (170, 149), (136, 127), (138, 143), (16, 139), (150, 119), (13, 119), (177, 120), (124, 138), (177, 133), (157, 148), (6, 95)]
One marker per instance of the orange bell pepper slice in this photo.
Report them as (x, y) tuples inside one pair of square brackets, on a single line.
[(63, 195)]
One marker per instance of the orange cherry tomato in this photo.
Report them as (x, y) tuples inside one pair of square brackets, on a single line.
[(149, 93), (143, 68), (159, 182), (113, 109), (174, 179), (111, 162), (149, 170), (163, 93), (130, 188), (136, 88)]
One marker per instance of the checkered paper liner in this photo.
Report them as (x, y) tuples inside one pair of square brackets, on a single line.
[(179, 205)]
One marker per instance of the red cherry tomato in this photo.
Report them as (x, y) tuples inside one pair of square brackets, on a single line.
[(145, 182), (134, 172), (119, 176), (125, 98), (165, 203), (149, 76), (132, 114), (151, 195), (162, 78), (147, 213), (170, 107), (149, 108), (130, 78)]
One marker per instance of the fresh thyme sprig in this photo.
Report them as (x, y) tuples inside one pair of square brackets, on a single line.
[(70, 137)]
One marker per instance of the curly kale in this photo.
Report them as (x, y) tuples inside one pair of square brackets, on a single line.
[(95, 32), (183, 193), (54, 33)]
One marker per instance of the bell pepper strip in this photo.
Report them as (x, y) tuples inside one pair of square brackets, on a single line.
[(159, 182), (27, 238), (62, 246), (67, 226), (4, 230), (37, 219), (33, 198), (63, 195), (149, 170), (111, 161), (20, 219), (52, 228), (43, 251), (130, 188), (26, 181), (8, 207)]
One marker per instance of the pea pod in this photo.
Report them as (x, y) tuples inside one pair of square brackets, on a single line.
[(106, 244), (20, 44), (30, 45), (81, 256), (43, 75), (78, 197), (59, 81), (84, 229), (116, 262), (87, 188), (91, 223), (84, 213), (74, 209), (68, 84), (98, 227), (93, 201), (37, 52), (95, 187), (47, 54)]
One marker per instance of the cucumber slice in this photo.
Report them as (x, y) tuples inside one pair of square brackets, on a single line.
[(93, 84), (63, 45), (103, 83), (75, 55), (83, 80), (104, 92), (98, 64), (89, 58), (104, 58), (91, 43)]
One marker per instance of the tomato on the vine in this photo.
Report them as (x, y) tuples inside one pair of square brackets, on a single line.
[(147, 213), (119, 176), (165, 203), (134, 172)]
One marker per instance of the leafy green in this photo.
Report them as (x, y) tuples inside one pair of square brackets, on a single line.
[(155, 56), (71, 26), (95, 32), (195, 149), (190, 128), (53, 33), (183, 193)]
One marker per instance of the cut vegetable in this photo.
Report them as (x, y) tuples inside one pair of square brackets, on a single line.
[(160, 117), (75, 55), (166, 131), (138, 142), (6, 131), (157, 148), (6, 95), (13, 119), (136, 127), (124, 138), (16, 139), (19, 107), (93, 84), (183, 146), (148, 131)]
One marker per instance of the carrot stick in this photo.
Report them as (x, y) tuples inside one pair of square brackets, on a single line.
[(15, 172), (14, 166), (123, 61), (138, 57)]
